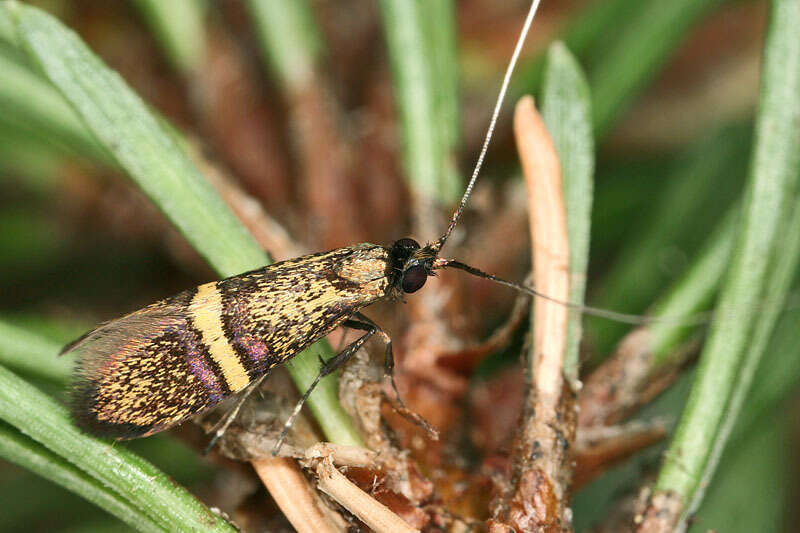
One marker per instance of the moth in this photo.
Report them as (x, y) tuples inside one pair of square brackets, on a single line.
[(158, 366), (161, 365)]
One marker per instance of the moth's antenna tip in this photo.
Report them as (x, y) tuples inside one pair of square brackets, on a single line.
[(500, 97)]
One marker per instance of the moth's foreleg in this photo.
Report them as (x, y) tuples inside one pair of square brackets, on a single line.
[(366, 324), (327, 367)]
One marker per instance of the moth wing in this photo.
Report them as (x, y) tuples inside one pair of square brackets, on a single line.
[(142, 373)]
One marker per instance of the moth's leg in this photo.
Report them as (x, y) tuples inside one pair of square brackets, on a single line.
[(222, 425), (365, 323), (343, 341), (327, 367)]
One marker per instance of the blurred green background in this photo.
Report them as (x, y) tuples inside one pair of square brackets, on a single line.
[(296, 103)]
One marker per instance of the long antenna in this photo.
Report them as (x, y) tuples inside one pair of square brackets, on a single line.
[(500, 97), (625, 318)]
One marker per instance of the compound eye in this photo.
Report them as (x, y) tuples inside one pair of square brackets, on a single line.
[(414, 278)]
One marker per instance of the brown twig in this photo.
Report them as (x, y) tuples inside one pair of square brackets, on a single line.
[(370, 511), (550, 254), (393, 478), (342, 455), (536, 497), (659, 512), (599, 448), (299, 502), (629, 379), (626, 381), (252, 438)]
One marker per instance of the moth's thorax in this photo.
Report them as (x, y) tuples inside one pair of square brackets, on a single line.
[(367, 268)]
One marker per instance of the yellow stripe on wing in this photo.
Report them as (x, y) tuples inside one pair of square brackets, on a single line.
[(206, 310)]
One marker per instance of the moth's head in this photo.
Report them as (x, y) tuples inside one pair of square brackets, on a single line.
[(411, 265)]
